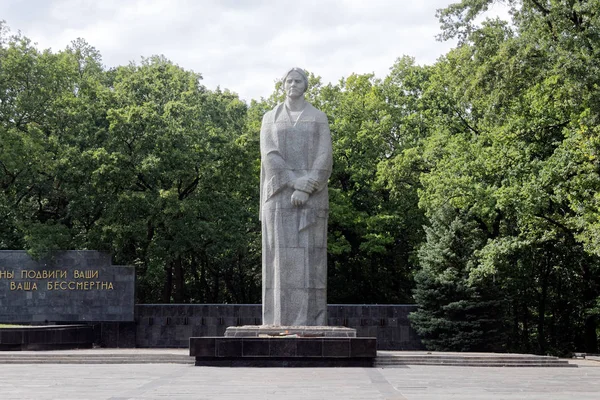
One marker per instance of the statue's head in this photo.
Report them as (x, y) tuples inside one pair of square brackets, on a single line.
[(295, 82)]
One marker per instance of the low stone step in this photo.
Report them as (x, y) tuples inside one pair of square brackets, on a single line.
[(469, 357), (385, 359), (491, 365), (476, 361), (86, 358), (391, 360), (471, 363), (96, 361), (96, 358)]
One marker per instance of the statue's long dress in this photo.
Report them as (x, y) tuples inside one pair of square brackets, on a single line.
[(294, 239)]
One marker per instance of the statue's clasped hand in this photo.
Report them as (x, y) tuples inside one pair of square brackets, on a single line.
[(299, 198), (306, 184), (303, 187)]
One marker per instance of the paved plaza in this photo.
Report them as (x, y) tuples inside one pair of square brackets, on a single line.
[(180, 381)]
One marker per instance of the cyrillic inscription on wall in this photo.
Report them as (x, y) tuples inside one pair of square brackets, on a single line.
[(69, 286)]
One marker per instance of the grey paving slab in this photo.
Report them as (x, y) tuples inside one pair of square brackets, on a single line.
[(176, 381)]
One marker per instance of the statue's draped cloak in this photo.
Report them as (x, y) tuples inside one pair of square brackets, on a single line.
[(294, 239)]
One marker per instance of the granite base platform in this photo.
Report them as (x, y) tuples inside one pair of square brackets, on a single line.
[(285, 351), (50, 337)]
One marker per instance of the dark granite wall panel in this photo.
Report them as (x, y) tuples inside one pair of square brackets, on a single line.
[(171, 325), (56, 337), (69, 286)]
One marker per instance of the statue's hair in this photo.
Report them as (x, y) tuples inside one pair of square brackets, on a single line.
[(302, 74)]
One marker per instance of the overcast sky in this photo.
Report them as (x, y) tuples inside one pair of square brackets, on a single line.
[(241, 45)]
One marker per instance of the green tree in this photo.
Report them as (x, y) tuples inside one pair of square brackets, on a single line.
[(46, 119), (456, 313), (514, 103), (172, 164), (141, 161), (371, 231)]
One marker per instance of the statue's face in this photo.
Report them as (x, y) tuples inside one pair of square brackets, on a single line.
[(294, 85)]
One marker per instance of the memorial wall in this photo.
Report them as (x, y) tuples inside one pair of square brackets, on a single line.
[(68, 286)]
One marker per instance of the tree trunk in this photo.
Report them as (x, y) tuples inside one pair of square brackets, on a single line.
[(526, 333), (197, 289), (203, 282), (515, 327), (591, 334), (216, 286), (590, 297), (541, 328), (179, 291), (168, 286)]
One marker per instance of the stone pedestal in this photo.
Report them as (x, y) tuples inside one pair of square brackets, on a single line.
[(283, 351), (285, 346), (298, 331)]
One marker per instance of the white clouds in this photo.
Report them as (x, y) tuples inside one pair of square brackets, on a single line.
[(240, 45)]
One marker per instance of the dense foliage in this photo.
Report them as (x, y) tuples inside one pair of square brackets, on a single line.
[(470, 186), (514, 113)]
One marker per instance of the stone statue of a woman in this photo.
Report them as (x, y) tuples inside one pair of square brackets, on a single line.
[(295, 147)]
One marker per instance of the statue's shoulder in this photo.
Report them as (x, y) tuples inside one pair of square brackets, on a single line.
[(319, 115), (270, 115)]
